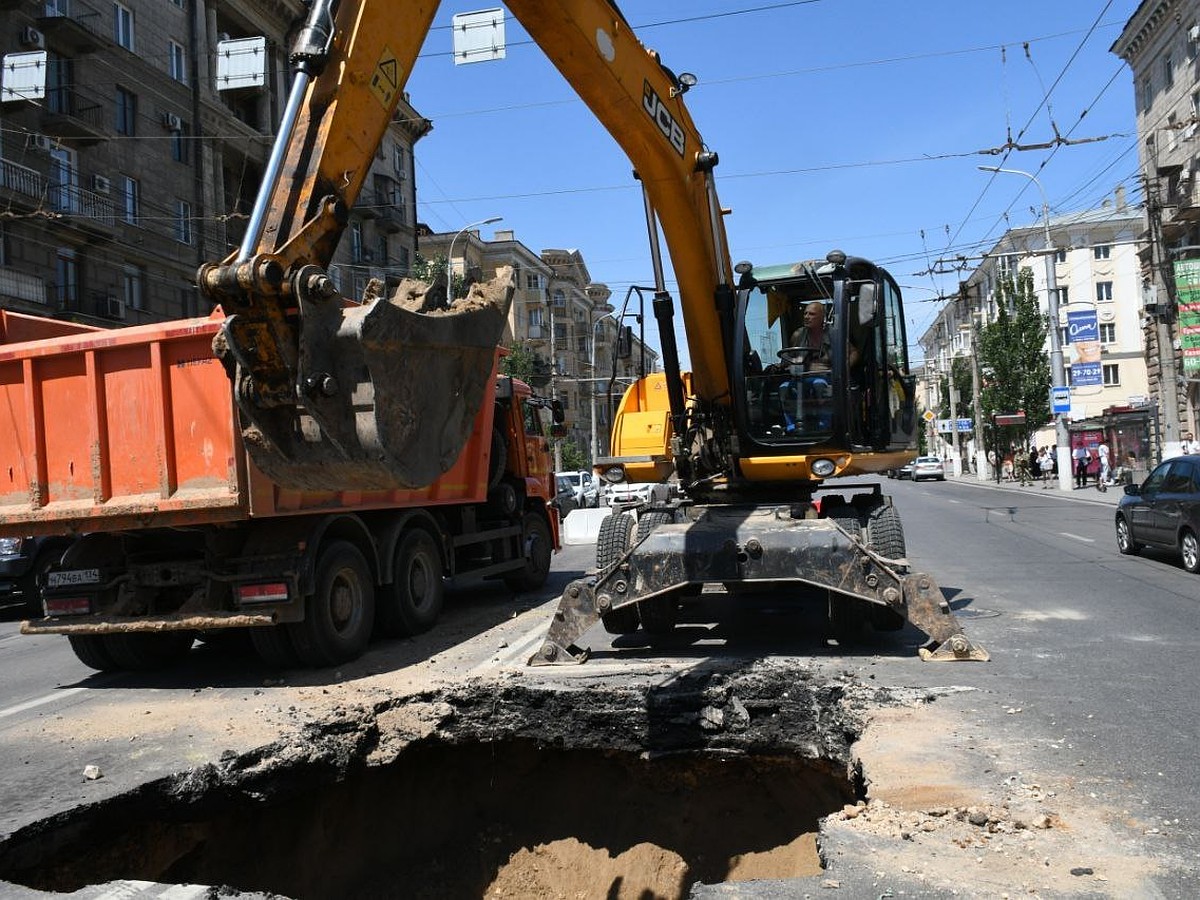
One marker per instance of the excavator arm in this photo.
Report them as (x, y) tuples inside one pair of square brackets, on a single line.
[(324, 383)]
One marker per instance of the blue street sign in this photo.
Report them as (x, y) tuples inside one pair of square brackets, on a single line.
[(1060, 400)]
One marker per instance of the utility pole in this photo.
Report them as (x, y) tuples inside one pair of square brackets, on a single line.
[(1058, 375), (1168, 389), (980, 449)]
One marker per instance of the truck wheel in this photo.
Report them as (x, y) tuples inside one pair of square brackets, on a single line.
[(499, 458), (885, 535), (613, 542), (273, 646), (340, 613), (92, 652), (650, 520), (142, 651), (413, 601), (536, 545), (29, 585)]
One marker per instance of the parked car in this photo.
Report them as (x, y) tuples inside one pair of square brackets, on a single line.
[(585, 486), (22, 561), (905, 471), (927, 467), (1163, 511), (564, 500)]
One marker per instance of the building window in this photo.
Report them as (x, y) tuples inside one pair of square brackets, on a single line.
[(382, 250), (356, 242), (183, 221), (1146, 93), (1064, 295), (402, 261), (1060, 256), (134, 278), (1112, 374), (66, 276), (177, 62), (123, 26), (535, 316), (1064, 336), (532, 282), (130, 199), (581, 344), (398, 163), (1168, 70), (1104, 291), (126, 112), (560, 299), (1101, 251), (1108, 333), (180, 144)]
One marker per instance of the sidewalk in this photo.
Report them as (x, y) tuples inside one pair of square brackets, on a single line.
[(1089, 494)]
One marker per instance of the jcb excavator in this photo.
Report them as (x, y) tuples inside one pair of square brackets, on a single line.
[(751, 433)]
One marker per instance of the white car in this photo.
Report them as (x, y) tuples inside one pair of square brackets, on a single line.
[(587, 490), (928, 467)]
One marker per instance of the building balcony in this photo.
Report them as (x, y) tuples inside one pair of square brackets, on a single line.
[(21, 186), (15, 285), (76, 113), (86, 210), (72, 27)]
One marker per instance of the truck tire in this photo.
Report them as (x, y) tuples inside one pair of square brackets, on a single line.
[(498, 460), (659, 615), (412, 603), (274, 646), (613, 542), (885, 535), (340, 613), (90, 649), (144, 651), (536, 545)]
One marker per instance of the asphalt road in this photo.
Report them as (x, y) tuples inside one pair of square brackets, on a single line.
[(1091, 684)]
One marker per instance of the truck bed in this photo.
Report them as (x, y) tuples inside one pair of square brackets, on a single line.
[(108, 430)]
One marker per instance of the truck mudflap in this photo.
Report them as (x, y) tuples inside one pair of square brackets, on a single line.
[(768, 548), (372, 396)]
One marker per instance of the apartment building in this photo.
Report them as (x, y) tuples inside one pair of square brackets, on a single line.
[(564, 317), (1097, 271), (133, 141), (1161, 45)]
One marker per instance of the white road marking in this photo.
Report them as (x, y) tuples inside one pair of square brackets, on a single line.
[(40, 701), (1076, 537)]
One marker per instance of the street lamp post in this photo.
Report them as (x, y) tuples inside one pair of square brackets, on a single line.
[(1058, 376), (450, 253), (595, 382)]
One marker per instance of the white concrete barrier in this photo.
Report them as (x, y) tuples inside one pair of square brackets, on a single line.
[(582, 526)]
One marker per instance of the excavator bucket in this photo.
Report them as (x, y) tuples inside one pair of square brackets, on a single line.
[(386, 391)]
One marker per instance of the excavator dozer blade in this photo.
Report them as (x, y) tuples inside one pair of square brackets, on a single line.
[(387, 392)]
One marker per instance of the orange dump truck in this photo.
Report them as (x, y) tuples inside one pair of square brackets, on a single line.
[(128, 440)]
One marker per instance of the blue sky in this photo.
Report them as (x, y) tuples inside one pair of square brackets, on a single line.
[(839, 123)]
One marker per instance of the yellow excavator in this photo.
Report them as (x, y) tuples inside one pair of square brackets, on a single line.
[(774, 407)]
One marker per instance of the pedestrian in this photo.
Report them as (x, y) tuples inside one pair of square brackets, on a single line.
[(1046, 464), (1081, 457), (1105, 469), (1188, 444), (1021, 465)]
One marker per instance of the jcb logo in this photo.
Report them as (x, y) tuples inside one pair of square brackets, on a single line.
[(657, 110)]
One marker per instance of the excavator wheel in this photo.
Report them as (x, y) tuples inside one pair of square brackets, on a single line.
[(885, 535), (613, 542), (91, 650), (659, 615), (848, 616)]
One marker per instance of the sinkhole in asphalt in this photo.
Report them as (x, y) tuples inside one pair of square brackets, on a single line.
[(511, 818)]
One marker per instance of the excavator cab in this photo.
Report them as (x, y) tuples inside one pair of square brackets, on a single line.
[(820, 365)]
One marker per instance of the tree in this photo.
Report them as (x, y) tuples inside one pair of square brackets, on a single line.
[(1012, 356), (573, 459), (521, 362)]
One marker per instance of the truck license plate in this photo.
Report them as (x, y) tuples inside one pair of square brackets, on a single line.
[(73, 577)]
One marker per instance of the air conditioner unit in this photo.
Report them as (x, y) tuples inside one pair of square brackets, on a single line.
[(172, 122), (100, 184), (32, 38), (116, 308), (42, 142)]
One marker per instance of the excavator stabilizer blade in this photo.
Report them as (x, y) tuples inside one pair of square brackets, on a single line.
[(929, 611), (387, 391)]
